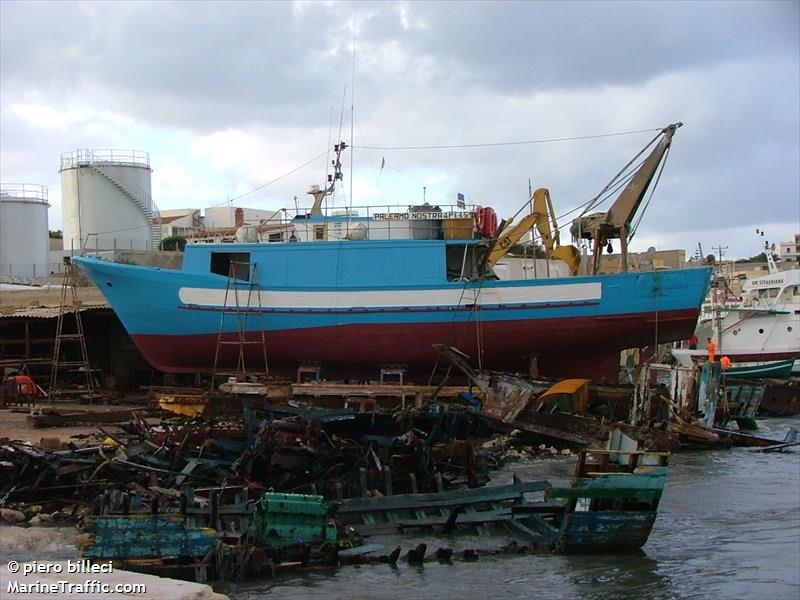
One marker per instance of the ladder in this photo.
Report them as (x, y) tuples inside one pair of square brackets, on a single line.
[(235, 289), (69, 286)]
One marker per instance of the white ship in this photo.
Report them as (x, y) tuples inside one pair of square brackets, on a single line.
[(763, 327)]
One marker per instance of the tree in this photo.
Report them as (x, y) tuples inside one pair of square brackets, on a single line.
[(173, 242)]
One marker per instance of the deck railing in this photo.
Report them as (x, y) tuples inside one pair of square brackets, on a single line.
[(84, 156), (27, 191), (357, 223)]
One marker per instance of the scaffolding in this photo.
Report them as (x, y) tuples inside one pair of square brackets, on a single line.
[(70, 304), (235, 288)]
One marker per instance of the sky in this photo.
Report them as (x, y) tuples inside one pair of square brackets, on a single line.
[(229, 97)]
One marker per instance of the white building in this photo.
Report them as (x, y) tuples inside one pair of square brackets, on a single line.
[(182, 222), (789, 252), (220, 217)]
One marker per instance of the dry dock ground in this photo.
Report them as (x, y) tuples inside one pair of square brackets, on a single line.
[(14, 425)]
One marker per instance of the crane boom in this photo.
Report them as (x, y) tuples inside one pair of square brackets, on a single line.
[(616, 223), (543, 217)]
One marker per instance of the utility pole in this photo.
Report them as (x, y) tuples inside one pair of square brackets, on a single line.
[(720, 251)]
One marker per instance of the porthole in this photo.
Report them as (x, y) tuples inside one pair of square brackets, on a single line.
[(735, 332), (108, 283), (760, 331)]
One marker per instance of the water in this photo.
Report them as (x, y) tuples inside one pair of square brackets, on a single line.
[(728, 527)]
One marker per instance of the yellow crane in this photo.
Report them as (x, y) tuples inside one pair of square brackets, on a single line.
[(543, 217)]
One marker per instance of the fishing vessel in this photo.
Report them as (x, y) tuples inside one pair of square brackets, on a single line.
[(353, 290), (759, 332)]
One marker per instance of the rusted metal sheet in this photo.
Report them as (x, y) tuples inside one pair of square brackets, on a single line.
[(781, 398), (506, 397), (182, 403)]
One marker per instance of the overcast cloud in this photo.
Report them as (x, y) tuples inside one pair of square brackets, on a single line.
[(228, 96)]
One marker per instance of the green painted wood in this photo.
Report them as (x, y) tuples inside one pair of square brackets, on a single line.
[(442, 499), (640, 495)]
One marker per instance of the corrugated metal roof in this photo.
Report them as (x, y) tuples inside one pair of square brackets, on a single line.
[(46, 312)]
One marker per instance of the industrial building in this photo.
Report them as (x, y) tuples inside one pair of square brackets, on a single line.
[(24, 250), (107, 202)]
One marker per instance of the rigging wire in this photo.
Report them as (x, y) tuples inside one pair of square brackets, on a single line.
[(513, 143), (623, 170), (278, 178)]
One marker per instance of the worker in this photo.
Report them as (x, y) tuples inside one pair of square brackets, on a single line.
[(712, 350), (693, 342), (725, 363)]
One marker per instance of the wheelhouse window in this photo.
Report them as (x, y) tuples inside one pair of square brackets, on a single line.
[(236, 264)]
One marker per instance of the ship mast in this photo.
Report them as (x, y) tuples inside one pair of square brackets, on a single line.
[(320, 195)]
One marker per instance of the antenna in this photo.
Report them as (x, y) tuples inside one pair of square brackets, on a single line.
[(352, 120), (328, 153)]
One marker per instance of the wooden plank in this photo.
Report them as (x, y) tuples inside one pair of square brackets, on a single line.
[(476, 518), (376, 389), (442, 499)]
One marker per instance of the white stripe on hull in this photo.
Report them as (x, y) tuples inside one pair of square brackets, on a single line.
[(490, 296)]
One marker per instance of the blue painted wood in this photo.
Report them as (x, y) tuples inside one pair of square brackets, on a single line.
[(147, 298), (605, 531), (147, 536)]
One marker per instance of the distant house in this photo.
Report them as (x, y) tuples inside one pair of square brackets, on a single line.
[(182, 222), (220, 217), (644, 261), (790, 251)]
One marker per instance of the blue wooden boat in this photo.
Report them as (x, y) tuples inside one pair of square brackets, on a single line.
[(610, 506), (356, 288)]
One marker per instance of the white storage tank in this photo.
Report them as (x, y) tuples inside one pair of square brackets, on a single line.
[(24, 243), (106, 201)]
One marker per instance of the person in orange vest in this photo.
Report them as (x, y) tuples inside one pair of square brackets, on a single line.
[(712, 350), (725, 363)]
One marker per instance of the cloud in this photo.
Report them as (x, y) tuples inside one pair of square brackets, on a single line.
[(228, 97)]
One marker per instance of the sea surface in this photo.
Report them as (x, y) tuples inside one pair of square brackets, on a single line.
[(728, 527)]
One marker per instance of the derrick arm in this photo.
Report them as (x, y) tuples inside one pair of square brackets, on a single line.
[(621, 212), (543, 217), (616, 223)]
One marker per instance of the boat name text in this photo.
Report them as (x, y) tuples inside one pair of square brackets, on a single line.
[(423, 216), (768, 282)]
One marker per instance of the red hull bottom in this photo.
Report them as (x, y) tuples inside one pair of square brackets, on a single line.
[(576, 347)]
